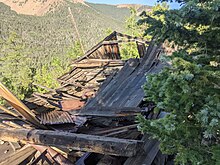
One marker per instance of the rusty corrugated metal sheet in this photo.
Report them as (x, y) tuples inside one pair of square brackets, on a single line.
[(60, 117)]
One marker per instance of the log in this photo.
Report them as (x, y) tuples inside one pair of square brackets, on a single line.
[(72, 141)]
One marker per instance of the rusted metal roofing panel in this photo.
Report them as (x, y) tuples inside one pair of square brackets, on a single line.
[(60, 117)]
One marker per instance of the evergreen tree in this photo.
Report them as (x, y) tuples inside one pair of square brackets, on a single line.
[(189, 90)]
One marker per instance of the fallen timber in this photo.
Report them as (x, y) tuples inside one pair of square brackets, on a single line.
[(82, 142)]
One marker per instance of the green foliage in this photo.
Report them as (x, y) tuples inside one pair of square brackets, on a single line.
[(75, 51), (129, 50), (192, 124), (18, 71), (189, 90), (131, 25), (15, 70), (151, 21), (48, 74)]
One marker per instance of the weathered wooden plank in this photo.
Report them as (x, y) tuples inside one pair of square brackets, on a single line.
[(8, 111), (95, 65), (66, 75), (102, 87), (112, 87), (136, 94), (141, 49), (147, 155), (15, 145), (52, 155), (104, 60), (108, 111), (107, 131), (125, 89), (160, 159), (43, 87), (150, 57), (133, 93), (82, 142), (19, 156)]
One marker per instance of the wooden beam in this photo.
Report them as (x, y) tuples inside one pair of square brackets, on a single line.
[(108, 111), (95, 65), (147, 155), (72, 141), (8, 111)]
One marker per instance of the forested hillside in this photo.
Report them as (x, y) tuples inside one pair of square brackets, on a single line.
[(49, 42)]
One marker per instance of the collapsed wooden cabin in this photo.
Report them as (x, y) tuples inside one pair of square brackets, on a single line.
[(90, 118)]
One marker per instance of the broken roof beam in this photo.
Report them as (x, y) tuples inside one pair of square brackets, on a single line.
[(72, 141)]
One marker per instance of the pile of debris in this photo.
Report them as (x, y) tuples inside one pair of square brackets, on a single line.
[(90, 119)]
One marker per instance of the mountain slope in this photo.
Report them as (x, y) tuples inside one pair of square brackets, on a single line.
[(30, 7), (111, 11)]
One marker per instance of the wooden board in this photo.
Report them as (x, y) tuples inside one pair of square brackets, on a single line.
[(19, 156)]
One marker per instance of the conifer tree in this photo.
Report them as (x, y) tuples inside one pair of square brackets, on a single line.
[(189, 90)]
